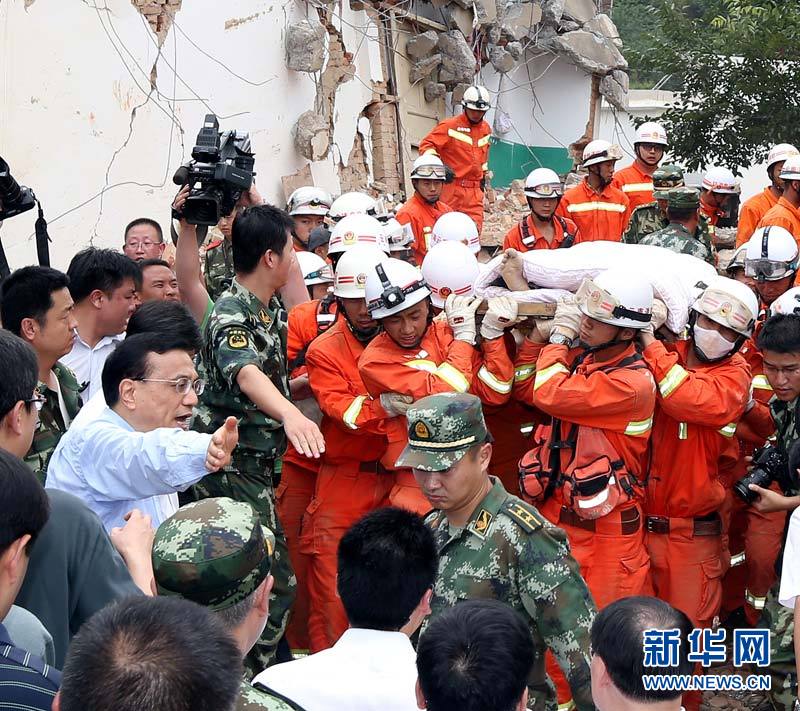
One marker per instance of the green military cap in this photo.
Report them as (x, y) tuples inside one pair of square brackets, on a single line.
[(683, 198), (441, 428), (666, 177), (214, 552)]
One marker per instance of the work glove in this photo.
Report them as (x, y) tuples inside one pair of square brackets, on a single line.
[(502, 314), (567, 320), (460, 312), (658, 317), (543, 327), (396, 404)]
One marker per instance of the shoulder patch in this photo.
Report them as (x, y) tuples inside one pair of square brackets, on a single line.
[(238, 338), (526, 516)]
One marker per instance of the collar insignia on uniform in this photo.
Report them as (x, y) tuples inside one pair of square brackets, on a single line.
[(482, 523), (264, 316), (237, 338), (421, 430)]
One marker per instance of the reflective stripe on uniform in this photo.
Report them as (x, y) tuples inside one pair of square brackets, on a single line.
[(523, 373), (683, 430), (527, 428), (738, 559), (499, 386), (353, 411), (595, 205), (459, 136), (427, 365), (760, 382), (636, 187), (483, 141), (674, 377), (754, 601), (542, 376), (453, 377), (485, 167), (567, 706), (729, 430), (639, 428)]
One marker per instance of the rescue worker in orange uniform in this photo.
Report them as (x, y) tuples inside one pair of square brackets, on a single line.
[(600, 210), (351, 481), (757, 206), (424, 207), (771, 257), (636, 181), (462, 142), (786, 213), (715, 195), (587, 464), (704, 388), (417, 356), (308, 207), (542, 229)]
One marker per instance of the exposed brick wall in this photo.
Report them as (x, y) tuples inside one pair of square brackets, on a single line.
[(159, 14), (385, 151)]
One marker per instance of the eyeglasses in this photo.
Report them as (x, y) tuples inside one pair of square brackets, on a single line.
[(182, 385), (147, 243), (37, 401), (768, 269)]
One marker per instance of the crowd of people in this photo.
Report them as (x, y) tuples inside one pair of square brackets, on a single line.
[(299, 464)]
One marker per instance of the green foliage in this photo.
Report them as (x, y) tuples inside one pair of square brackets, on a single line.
[(735, 65)]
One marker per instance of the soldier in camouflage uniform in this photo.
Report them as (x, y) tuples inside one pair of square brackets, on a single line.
[(216, 553), (682, 204), (219, 265), (500, 548)]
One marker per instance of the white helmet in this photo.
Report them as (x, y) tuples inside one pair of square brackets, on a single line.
[(791, 169), (719, 180), (600, 151), (315, 269), (352, 204), (781, 152), (430, 167), (476, 97), (737, 260), (449, 268), (729, 303), (456, 227), (543, 183), (400, 237), (618, 298), (309, 200), (394, 286), (787, 303), (357, 229), (352, 270), (771, 254), (651, 132)]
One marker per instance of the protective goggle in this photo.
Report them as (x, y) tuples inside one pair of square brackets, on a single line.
[(478, 104), (715, 304), (314, 202), (431, 171), (599, 304), (769, 270), (612, 153), (544, 191), (322, 273)]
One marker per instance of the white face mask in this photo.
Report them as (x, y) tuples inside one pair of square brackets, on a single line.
[(711, 344)]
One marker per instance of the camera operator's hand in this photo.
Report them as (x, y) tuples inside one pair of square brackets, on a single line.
[(180, 201), (251, 197), (769, 500)]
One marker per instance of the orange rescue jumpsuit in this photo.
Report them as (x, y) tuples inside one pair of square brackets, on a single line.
[(298, 474), (785, 215), (599, 216), (694, 425), (422, 216), (351, 481), (465, 148), (751, 213), (636, 184), (563, 226)]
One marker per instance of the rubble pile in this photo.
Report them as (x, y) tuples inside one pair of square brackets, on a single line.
[(503, 209)]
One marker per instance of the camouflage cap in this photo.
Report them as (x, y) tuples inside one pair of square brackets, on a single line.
[(214, 552), (441, 428), (667, 177), (683, 198)]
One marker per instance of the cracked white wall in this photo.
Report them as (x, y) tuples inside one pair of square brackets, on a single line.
[(72, 76)]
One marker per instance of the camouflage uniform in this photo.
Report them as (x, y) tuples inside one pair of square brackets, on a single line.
[(219, 267), (777, 618), (51, 422), (243, 331), (507, 551), (675, 236), (216, 553)]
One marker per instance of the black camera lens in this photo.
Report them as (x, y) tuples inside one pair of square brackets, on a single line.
[(758, 477)]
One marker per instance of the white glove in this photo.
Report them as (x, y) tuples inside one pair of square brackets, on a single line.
[(658, 317), (543, 327), (567, 320), (502, 314), (396, 404), (460, 312)]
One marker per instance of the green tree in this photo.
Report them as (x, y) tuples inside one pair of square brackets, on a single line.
[(735, 66)]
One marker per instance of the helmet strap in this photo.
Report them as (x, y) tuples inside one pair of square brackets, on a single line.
[(589, 350), (361, 335)]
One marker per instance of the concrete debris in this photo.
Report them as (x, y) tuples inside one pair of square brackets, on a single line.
[(604, 26), (458, 92), (502, 210), (519, 19), (590, 52), (466, 4), (485, 12), (305, 47), (514, 49), (458, 61), (569, 26), (501, 59), (580, 10), (552, 11), (421, 45), (424, 68), (312, 136), (434, 91), (614, 87), (494, 34)]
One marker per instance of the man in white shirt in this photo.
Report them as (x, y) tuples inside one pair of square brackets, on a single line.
[(139, 453), (387, 564), (103, 285)]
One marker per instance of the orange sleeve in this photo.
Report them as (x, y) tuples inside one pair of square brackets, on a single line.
[(493, 373), (513, 239), (756, 426), (341, 395), (435, 140), (778, 221), (712, 398), (525, 370), (748, 222), (605, 400), (301, 330)]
